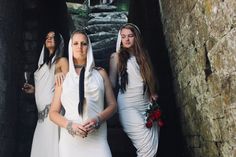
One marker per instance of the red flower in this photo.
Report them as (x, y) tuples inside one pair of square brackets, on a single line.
[(157, 114), (149, 123), (160, 123), (154, 114)]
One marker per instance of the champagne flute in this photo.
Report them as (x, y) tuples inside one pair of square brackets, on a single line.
[(27, 76)]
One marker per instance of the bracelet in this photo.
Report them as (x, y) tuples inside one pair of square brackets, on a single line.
[(98, 122), (70, 129)]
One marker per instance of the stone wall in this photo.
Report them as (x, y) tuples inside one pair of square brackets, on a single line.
[(10, 41), (201, 40)]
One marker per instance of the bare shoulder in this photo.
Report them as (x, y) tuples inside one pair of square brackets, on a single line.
[(102, 72), (62, 65), (62, 61), (114, 55)]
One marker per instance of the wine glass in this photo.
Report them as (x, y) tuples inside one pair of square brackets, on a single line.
[(27, 76)]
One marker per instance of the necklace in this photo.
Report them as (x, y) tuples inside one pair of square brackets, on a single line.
[(79, 65)]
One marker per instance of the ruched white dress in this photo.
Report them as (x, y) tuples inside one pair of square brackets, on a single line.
[(46, 136), (95, 144), (132, 105)]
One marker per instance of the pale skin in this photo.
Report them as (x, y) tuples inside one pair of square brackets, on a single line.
[(127, 40), (61, 64), (62, 67), (79, 48)]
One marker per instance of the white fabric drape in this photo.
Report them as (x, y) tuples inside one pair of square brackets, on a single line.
[(46, 134), (45, 140), (132, 105), (95, 144)]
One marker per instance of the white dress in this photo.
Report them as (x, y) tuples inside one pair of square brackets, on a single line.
[(132, 105), (45, 140), (95, 144)]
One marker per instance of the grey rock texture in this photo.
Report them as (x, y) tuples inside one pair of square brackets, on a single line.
[(201, 39)]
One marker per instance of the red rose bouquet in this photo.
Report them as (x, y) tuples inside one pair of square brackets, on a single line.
[(154, 114)]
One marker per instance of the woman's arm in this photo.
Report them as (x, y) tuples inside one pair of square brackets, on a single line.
[(54, 112), (110, 98), (113, 69)]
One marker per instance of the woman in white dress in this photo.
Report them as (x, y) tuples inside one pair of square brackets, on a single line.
[(136, 85), (46, 135), (83, 127)]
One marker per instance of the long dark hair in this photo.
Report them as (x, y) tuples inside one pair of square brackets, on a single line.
[(81, 76), (58, 52), (143, 61)]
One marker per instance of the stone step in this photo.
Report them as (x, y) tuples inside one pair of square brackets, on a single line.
[(102, 8), (101, 35), (115, 14), (112, 28), (108, 42), (108, 18), (107, 21)]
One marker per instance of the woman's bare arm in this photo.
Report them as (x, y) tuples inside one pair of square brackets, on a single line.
[(110, 98), (113, 69), (54, 112)]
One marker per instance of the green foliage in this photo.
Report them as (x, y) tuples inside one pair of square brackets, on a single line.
[(81, 12)]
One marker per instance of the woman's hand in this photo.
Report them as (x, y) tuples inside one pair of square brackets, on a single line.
[(153, 97), (28, 88), (76, 129), (59, 78), (80, 130), (92, 124)]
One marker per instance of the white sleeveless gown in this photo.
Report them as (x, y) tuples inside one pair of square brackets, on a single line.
[(95, 144), (46, 136), (132, 106)]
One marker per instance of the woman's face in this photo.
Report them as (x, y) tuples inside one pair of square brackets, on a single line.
[(127, 38), (79, 46), (50, 41)]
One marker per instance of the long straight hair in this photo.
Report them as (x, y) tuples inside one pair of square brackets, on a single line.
[(143, 61)]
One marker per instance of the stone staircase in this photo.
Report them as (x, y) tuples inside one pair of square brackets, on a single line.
[(102, 27)]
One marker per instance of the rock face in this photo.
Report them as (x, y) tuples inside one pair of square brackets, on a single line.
[(201, 35)]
